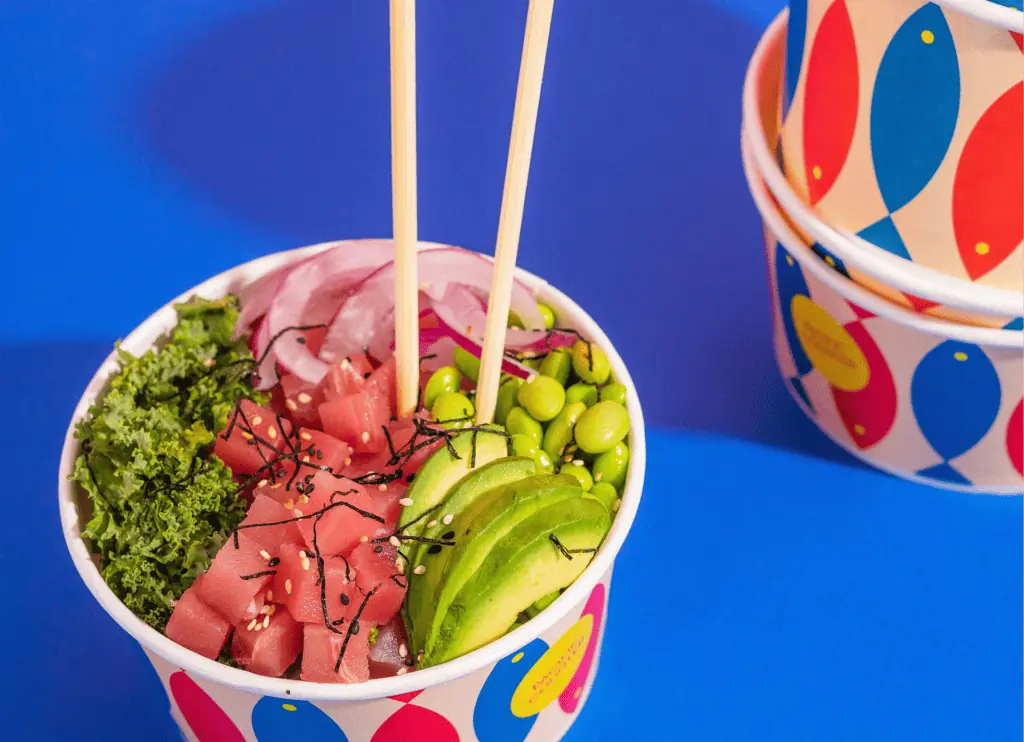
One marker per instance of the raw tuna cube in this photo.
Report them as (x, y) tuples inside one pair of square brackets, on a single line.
[(376, 572), (300, 400), (391, 652), (340, 527), (382, 383), (358, 419), (345, 377), (268, 644), (224, 587), (263, 510), (196, 626), (320, 650), (299, 588)]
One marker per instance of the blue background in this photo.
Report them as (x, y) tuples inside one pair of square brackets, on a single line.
[(772, 588)]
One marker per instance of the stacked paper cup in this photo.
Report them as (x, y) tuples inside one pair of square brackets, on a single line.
[(883, 142)]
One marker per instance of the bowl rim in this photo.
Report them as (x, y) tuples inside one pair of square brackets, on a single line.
[(157, 324), (892, 270), (878, 305), (988, 12)]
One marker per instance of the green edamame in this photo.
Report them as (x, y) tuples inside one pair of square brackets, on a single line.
[(605, 494), (557, 364), (507, 393), (601, 427), (559, 432), (610, 467), (445, 379), (580, 473), (452, 407), (548, 314), (590, 362), (523, 445), (580, 392), (614, 393), (467, 363), (543, 397), (519, 422)]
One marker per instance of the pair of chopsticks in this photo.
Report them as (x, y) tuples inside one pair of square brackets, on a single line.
[(403, 172)]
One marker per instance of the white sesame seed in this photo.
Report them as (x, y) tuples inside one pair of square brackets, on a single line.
[(567, 459), (290, 404), (209, 362), (265, 554), (447, 520), (297, 513), (263, 483), (266, 622), (431, 524), (405, 502), (303, 499), (400, 563), (252, 625), (383, 487), (305, 436), (257, 420), (290, 504), (275, 485), (305, 564), (363, 539), (305, 458), (420, 569), (599, 476), (271, 433), (258, 626), (578, 462), (401, 671), (348, 461), (617, 505), (345, 363), (247, 436), (403, 651), (365, 437), (271, 610), (288, 586), (270, 595), (394, 541), (304, 398)]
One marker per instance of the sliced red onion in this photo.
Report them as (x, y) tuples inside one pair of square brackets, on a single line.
[(266, 372), (256, 298)]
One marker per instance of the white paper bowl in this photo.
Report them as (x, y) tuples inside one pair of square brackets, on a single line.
[(471, 697)]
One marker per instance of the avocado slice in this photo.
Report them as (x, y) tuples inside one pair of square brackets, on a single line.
[(476, 530), (473, 449), (525, 566), (483, 479)]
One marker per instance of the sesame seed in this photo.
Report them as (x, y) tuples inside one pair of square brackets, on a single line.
[(420, 569), (304, 398), (258, 626), (290, 404), (252, 625), (303, 499), (567, 459), (431, 524), (383, 488), (247, 436), (578, 462), (288, 586), (363, 539), (447, 520), (290, 504), (263, 483), (297, 513), (209, 362), (271, 610), (270, 595), (305, 564), (348, 461), (365, 437), (271, 433), (257, 420), (400, 563), (405, 502), (403, 651), (346, 363), (394, 541), (530, 378), (401, 671), (617, 505), (599, 476), (266, 622), (265, 554), (305, 436)]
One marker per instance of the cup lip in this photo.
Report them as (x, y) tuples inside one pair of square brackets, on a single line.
[(157, 324), (880, 306), (988, 12), (902, 274)]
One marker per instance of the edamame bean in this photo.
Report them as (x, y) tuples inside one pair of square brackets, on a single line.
[(580, 392), (548, 314), (559, 432), (467, 363), (523, 445), (519, 422), (601, 427), (614, 393), (452, 407), (445, 379), (610, 467), (590, 362), (543, 397), (606, 494), (507, 394), (580, 473), (557, 364)]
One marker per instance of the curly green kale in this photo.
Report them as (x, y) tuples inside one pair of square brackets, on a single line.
[(161, 507)]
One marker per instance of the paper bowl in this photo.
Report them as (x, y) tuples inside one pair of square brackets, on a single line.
[(918, 397), (904, 126), (904, 282), (532, 681)]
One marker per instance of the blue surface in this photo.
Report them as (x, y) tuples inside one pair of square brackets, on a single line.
[(799, 596)]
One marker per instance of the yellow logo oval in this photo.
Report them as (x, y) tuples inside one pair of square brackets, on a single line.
[(831, 349), (551, 675)]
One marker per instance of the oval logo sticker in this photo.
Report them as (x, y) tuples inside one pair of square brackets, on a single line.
[(554, 670), (831, 349)]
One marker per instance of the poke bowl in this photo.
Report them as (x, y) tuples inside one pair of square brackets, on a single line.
[(310, 670)]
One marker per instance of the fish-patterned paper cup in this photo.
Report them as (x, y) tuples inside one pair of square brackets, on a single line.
[(918, 397), (530, 684), (903, 126), (909, 284)]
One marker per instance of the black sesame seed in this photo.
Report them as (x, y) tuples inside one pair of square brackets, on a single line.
[(378, 549), (435, 549), (449, 535), (354, 628), (345, 600)]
